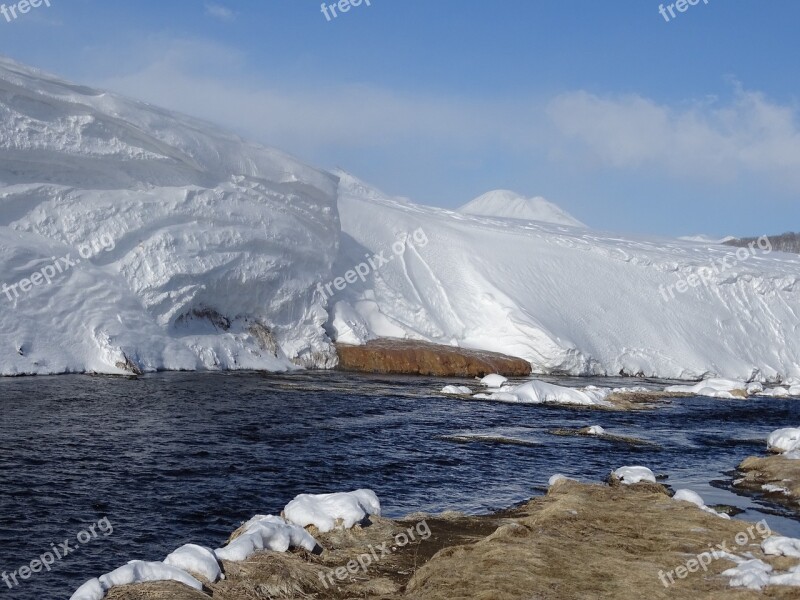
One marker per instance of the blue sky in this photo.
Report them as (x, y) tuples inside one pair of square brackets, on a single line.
[(629, 122)]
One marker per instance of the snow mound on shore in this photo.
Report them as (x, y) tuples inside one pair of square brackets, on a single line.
[(631, 475), (784, 440), (326, 511), (540, 392), (196, 559), (266, 533), (259, 533), (136, 571), (695, 498), (187, 247)]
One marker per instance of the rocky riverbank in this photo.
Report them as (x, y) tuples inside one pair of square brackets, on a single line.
[(579, 541), (775, 476)]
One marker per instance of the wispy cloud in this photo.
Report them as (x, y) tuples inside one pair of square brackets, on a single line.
[(712, 139), (219, 12)]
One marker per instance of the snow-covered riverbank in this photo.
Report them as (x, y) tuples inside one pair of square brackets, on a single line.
[(222, 249)]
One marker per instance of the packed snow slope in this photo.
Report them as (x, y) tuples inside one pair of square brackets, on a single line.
[(510, 205), (132, 238), (567, 299)]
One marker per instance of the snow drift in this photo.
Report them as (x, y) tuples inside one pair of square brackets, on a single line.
[(135, 239), (510, 205), (569, 300), (214, 245)]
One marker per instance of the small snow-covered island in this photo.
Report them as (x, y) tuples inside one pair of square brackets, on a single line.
[(139, 246)]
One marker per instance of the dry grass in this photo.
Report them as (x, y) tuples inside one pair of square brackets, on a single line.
[(579, 542), (588, 541), (775, 470)]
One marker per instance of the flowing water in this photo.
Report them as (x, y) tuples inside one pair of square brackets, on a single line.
[(183, 457)]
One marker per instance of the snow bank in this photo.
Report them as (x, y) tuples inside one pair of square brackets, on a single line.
[(324, 511), (266, 533), (499, 284), (733, 388), (697, 500), (631, 475), (494, 380), (192, 249), (790, 578), (784, 440), (196, 559), (262, 532), (596, 430), (713, 388), (556, 478), (134, 572), (752, 574), (538, 392), (777, 545), (459, 390), (755, 574)]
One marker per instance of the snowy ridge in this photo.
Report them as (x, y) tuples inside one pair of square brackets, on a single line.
[(215, 244), (568, 300), (207, 252), (510, 205)]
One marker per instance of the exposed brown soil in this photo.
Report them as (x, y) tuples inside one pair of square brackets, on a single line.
[(776, 470), (580, 541), (410, 357)]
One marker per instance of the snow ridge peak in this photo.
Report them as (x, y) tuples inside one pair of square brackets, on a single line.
[(511, 205)]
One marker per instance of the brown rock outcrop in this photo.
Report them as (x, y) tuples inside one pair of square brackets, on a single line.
[(410, 357)]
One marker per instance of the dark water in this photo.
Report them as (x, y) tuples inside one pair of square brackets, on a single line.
[(174, 458)]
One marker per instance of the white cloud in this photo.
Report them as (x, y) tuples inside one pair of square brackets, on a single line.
[(712, 141), (220, 12), (211, 81), (709, 140)]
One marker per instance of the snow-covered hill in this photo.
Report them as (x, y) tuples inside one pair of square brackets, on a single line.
[(510, 205), (567, 299), (134, 238)]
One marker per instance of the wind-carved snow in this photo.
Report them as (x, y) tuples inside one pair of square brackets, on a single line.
[(219, 246), (567, 299), (218, 243)]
